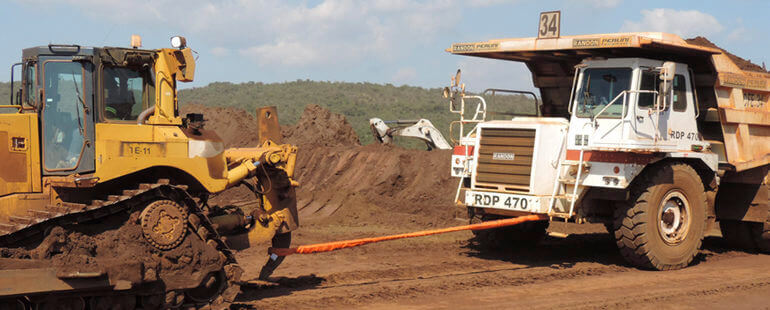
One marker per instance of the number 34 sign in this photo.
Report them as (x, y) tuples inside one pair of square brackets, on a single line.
[(549, 25)]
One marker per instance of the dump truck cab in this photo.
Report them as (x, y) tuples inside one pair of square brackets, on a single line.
[(629, 125)]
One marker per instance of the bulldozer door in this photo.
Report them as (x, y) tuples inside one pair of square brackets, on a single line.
[(67, 116)]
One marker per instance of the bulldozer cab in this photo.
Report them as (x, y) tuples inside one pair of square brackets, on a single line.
[(65, 91), (53, 122)]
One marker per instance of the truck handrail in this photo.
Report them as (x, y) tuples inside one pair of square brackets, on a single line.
[(624, 95), (523, 92), (481, 110)]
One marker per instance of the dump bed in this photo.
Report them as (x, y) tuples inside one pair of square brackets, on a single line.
[(734, 103)]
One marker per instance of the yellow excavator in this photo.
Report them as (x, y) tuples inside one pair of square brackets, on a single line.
[(104, 187)]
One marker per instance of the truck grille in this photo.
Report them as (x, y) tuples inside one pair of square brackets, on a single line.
[(505, 158)]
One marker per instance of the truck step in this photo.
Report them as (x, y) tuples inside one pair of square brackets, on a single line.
[(573, 163), (565, 196), (564, 215)]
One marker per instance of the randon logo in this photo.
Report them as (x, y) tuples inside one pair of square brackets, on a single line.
[(502, 156)]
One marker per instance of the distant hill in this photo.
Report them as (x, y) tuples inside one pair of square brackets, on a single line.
[(357, 101), (5, 94)]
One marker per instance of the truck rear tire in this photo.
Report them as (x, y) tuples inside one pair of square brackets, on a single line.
[(527, 234), (663, 225), (750, 236)]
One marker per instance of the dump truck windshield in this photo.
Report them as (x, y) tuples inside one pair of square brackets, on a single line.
[(597, 89)]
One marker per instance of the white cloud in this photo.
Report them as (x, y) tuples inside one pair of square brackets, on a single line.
[(483, 3), (342, 32), (404, 75), (220, 51), (283, 52), (602, 3), (739, 34), (686, 24)]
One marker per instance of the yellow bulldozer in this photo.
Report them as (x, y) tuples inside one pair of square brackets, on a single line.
[(104, 187)]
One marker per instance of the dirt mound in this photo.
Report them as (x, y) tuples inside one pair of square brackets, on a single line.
[(742, 63), (319, 127), (235, 126), (368, 184), (340, 179)]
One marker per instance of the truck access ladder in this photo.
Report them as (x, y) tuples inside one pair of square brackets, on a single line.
[(560, 190)]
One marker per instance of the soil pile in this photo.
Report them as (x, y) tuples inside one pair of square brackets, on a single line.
[(236, 127), (740, 62), (340, 180), (319, 127), (369, 184)]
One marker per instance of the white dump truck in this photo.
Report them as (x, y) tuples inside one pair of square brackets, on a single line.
[(659, 139)]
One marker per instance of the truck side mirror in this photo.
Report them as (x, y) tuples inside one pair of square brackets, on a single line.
[(668, 71), (18, 97)]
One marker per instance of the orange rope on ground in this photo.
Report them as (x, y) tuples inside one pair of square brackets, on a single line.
[(336, 245)]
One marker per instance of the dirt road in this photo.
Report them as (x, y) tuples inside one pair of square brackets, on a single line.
[(583, 270), (350, 191)]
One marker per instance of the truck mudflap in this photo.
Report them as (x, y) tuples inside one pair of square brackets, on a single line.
[(506, 201)]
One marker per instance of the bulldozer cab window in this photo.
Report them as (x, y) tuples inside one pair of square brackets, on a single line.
[(598, 87), (124, 93), (63, 115)]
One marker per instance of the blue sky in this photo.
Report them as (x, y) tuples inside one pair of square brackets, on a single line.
[(380, 41)]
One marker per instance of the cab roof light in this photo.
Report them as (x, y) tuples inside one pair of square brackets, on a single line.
[(178, 42)]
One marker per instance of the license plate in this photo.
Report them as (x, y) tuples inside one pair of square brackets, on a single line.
[(501, 201)]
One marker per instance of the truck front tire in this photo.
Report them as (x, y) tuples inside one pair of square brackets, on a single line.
[(663, 224)]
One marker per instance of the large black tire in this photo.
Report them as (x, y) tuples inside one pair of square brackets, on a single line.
[(662, 226), (750, 236), (526, 234)]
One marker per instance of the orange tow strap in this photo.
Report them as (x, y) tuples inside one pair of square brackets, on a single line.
[(336, 245)]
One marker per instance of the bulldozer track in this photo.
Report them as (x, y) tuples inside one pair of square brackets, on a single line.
[(25, 231)]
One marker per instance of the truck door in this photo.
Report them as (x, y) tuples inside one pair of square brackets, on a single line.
[(67, 116), (681, 126), (644, 122)]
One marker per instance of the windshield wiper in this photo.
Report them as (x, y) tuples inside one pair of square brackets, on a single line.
[(85, 108)]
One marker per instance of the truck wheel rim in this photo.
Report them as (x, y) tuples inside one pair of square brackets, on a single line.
[(674, 217)]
